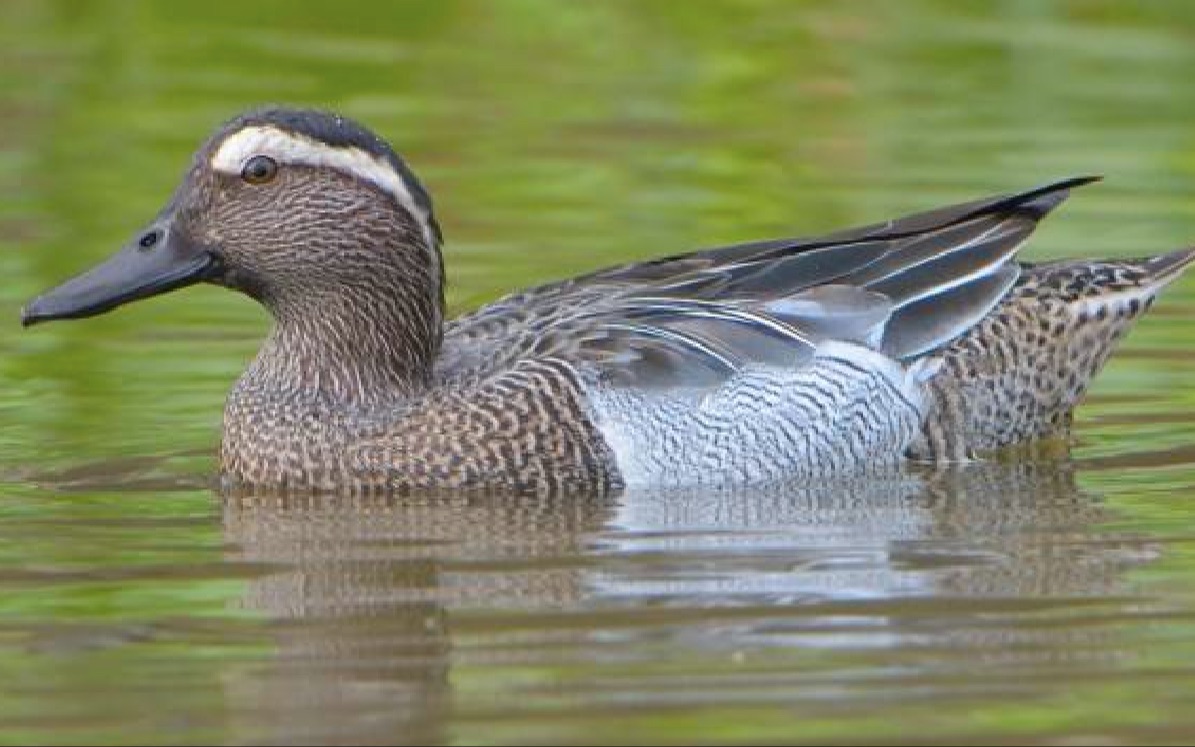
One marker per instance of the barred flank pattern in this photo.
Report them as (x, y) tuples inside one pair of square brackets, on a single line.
[(849, 410)]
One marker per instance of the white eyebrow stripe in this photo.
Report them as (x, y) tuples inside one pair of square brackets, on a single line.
[(291, 148)]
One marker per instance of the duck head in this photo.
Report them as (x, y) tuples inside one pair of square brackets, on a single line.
[(307, 212)]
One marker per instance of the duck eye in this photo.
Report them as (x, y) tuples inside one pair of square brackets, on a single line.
[(259, 170)]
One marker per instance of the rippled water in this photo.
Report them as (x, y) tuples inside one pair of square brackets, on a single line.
[(1042, 601)]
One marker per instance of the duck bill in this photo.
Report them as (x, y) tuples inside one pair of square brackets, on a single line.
[(144, 267)]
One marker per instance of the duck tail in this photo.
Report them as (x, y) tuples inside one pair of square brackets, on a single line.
[(1049, 337), (1166, 268), (1109, 289), (1127, 288)]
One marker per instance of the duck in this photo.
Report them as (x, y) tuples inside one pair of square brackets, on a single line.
[(921, 339)]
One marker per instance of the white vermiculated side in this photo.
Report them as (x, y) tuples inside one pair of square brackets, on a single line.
[(290, 148), (850, 409)]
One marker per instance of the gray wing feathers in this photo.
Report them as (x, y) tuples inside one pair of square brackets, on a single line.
[(951, 288), (931, 322), (904, 287), (1034, 204), (837, 312), (677, 343)]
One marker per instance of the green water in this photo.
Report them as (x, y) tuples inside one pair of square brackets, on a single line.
[(1049, 602)]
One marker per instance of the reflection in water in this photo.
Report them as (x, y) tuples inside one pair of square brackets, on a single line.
[(973, 531), (362, 592), (369, 593)]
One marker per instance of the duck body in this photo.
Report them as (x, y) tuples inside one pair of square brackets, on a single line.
[(918, 338)]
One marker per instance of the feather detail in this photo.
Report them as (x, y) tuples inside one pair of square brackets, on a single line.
[(903, 287)]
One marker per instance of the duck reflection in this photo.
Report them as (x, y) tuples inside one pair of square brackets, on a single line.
[(377, 598), (981, 529), (361, 591)]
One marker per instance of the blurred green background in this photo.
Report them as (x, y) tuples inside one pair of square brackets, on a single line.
[(555, 138)]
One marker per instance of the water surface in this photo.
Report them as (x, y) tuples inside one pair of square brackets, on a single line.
[(1042, 601)]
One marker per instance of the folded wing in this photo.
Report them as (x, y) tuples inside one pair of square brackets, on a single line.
[(904, 287)]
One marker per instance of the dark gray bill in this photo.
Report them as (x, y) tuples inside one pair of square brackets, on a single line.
[(153, 263)]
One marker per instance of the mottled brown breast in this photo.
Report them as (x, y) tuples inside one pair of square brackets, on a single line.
[(525, 430)]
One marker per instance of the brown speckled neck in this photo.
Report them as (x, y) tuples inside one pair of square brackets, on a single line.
[(371, 349), (347, 354), (362, 340)]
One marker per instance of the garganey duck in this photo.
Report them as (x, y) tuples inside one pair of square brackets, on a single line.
[(919, 338)]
